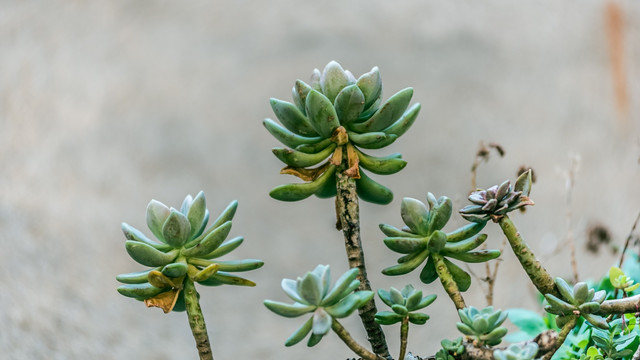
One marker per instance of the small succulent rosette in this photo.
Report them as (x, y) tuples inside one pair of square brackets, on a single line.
[(495, 202), (329, 123), (404, 304), (576, 301), (185, 247), (451, 348), (423, 239), (619, 280), (527, 351), (312, 294), (483, 326)]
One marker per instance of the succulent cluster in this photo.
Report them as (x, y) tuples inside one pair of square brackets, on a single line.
[(621, 281), (183, 249), (312, 294), (527, 351), (423, 239), (497, 201), (576, 301), (404, 303), (483, 325), (329, 122), (450, 348)]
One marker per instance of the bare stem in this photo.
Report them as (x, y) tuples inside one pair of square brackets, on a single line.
[(448, 283), (404, 334), (348, 213), (629, 237), (566, 329), (539, 276), (344, 335), (196, 320)]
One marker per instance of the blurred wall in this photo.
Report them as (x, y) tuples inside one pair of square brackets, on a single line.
[(105, 105)]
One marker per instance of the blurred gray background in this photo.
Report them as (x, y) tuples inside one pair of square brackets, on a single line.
[(106, 105)]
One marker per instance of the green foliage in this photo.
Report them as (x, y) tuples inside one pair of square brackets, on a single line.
[(329, 123), (452, 348), (423, 237), (577, 301), (312, 294), (517, 352), (621, 281), (183, 248), (483, 325), (404, 304), (497, 201)]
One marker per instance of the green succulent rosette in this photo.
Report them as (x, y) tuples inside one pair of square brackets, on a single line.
[(482, 325), (423, 239), (497, 201), (329, 123), (313, 294), (527, 351), (404, 304), (619, 280), (184, 247), (451, 347), (576, 301)]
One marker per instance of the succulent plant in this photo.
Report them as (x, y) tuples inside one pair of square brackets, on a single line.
[(527, 351), (621, 281), (404, 303), (423, 239), (614, 344), (183, 249), (497, 201), (453, 347), (329, 122), (483, 325), (312, 294), (576, 301)]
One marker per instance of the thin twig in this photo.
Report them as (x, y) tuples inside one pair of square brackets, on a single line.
[(575, 163), (344, 335), (629, 237), (482, 156)]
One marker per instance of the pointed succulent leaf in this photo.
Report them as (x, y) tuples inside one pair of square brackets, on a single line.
[(429, 273), (392, 231), (134, 234), (148, 255), (461, 277), (343, 283), (314, 339), (523, 183), (196, 212), (403, 124), (157, 214), (210, 242), (387, 114), (225, 248), (333, 80), (396, 296), (350, 303), (404, 245), (290, 288), (596, 321), (437, 241), (388, 318), (465, 245), (407, 266), (300, 334), (413, 300), (321, 322), (371, 85), (465, 329), (426, 301), (288, 310), (440, 214), (176, 229), (292, 118), (565, 290), (399, 309), (418, 318), (322, 114), (310, 288), (349, 104), (415, 215), (385, 296), (580, 292)]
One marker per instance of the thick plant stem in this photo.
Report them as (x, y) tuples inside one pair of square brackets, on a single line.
[(566, 329), (344, 335), (348, 213), (404, 334), (539, 276), (196, 320), (447, 281)]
